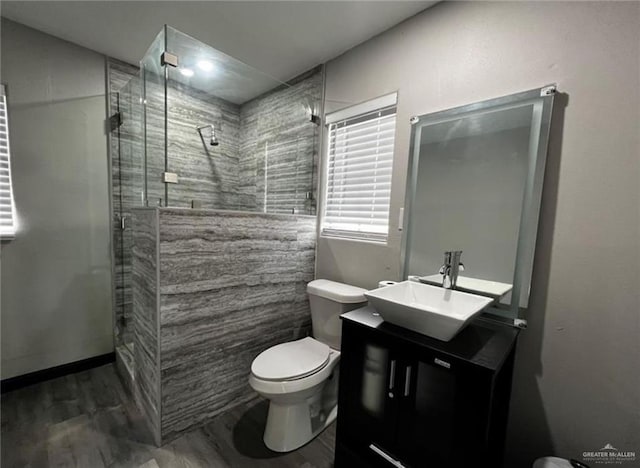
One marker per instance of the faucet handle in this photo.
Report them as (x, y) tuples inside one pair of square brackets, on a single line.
[(442, 269), (449, 255)]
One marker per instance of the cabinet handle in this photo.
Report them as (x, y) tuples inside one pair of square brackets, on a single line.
[(386, 456), (407, 381), (392, 374)]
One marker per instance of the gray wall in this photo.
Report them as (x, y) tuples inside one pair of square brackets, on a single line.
[(576, 384), (56, 274)]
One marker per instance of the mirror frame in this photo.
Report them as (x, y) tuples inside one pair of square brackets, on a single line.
[(542, 101)]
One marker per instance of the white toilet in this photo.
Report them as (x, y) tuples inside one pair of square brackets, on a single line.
[(300, 378)]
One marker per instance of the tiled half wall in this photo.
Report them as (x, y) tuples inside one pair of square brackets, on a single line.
[(228, 285)]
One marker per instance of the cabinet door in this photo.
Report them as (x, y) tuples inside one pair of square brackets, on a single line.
[(443, 413), (368, 407)]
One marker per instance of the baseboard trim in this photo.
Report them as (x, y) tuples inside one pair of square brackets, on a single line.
[(21, 381)]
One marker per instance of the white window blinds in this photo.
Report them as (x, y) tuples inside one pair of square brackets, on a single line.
[(7, 207), (359, 166)]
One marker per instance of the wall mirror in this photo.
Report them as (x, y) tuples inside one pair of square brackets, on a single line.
[(475, 184)]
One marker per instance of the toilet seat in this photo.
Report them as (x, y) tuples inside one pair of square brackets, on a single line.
[(269, 388), (291, 361)]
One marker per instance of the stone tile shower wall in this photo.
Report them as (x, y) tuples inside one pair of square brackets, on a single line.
[(266, 140), (207, 174), (230, 285), (146, 323)]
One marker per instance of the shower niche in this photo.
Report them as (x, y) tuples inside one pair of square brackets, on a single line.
[(194, 128)]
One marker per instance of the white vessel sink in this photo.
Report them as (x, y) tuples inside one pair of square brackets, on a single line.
[(493, 289), (431, 310)]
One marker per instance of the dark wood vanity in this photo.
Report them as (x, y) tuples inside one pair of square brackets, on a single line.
[(407, 400)]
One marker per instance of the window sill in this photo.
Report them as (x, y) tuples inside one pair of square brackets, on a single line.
[(380, 242), (7, 237)]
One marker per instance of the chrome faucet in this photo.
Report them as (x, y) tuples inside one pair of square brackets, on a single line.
[(450, 269)]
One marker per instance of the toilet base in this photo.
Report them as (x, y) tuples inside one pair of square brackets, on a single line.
[(290, 426), (299, 409)]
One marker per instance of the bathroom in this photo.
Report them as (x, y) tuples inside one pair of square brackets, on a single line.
[(176, 241)]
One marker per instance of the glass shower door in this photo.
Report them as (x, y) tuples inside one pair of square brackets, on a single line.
[(128, 192)]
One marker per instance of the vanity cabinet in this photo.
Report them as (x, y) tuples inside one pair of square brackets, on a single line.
[(407, 400)]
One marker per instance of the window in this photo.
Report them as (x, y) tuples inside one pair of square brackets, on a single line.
[(7, 207), (359, 165)]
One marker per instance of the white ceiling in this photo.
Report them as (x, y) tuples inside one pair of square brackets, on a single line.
[(281, 39)]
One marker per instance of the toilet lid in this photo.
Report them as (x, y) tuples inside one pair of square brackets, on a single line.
[(292, 360)]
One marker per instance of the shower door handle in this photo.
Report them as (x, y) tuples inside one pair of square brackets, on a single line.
[(123, 222)]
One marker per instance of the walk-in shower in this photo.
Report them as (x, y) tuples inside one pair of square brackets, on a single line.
[(198, 128)]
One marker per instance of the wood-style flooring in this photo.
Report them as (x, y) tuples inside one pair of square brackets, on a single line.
[(88, 420)]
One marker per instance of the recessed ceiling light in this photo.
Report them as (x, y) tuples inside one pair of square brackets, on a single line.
[(186, 72), (205, 65)]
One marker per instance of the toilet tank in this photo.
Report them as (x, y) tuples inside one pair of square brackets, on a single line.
[(328, 300)]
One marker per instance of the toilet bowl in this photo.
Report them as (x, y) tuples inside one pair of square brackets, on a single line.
[(300, 378)]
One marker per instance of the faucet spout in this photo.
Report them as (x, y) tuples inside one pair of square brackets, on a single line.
[(450, 269)]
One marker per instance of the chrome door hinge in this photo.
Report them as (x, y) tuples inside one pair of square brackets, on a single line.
[(115, 121), (169, 177), (167, 58), (520, 323)]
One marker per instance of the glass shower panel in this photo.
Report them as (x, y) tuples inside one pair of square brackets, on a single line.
[(154, 121), (286, 175), (290, 148), (237, 138), (131, 142), (214, 72), (288, 142), (280, 163)]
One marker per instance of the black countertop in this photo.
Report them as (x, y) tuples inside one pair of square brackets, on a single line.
[(482, 342)]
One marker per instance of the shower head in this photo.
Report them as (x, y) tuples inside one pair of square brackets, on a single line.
[(213, 139)]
